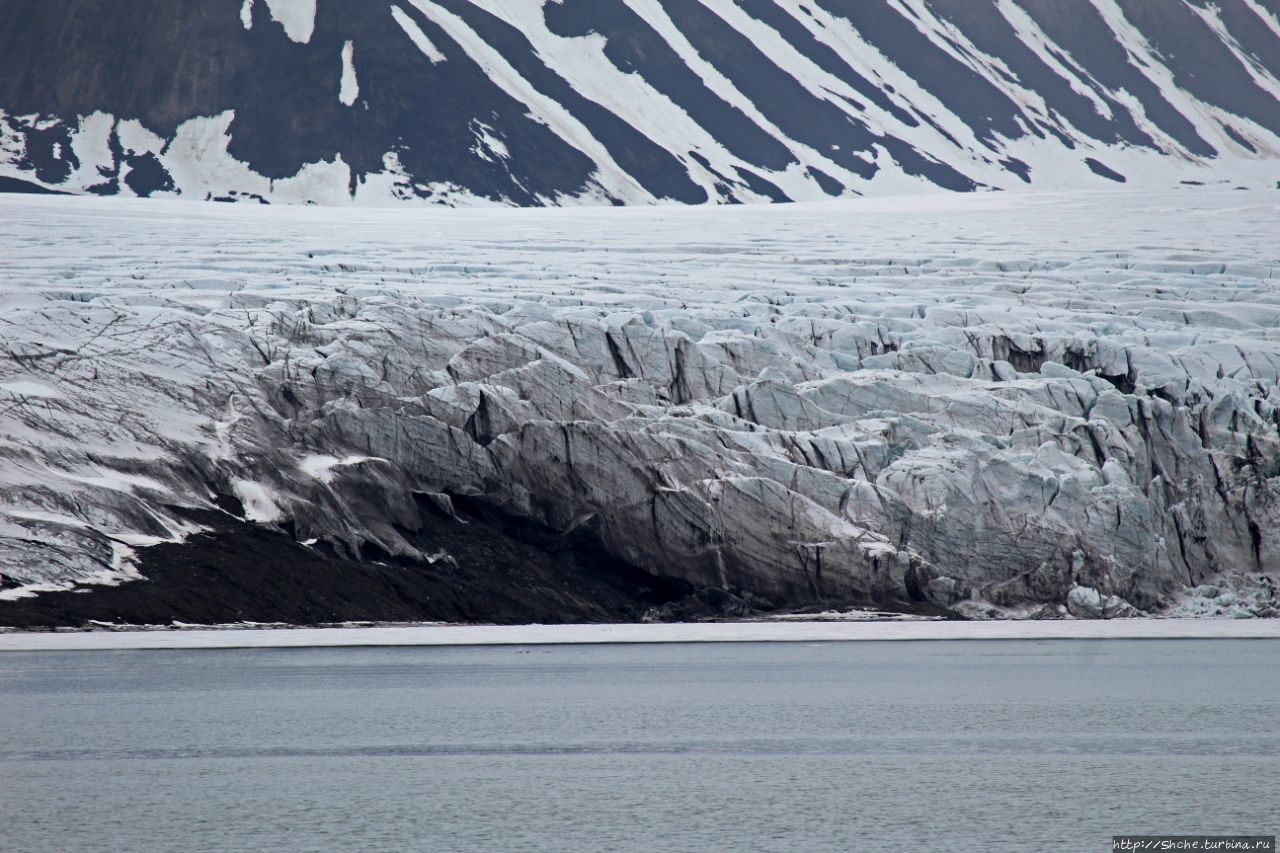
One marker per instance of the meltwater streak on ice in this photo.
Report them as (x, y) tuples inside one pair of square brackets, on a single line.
[(994, 746)]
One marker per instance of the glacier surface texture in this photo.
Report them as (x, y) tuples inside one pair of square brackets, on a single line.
[(992, 402)]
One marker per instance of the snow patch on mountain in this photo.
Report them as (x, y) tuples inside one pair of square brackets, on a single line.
[(417, 36), (298, 17), (349, 88)]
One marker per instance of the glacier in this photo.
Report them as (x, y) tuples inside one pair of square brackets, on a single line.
[(1003, 404)]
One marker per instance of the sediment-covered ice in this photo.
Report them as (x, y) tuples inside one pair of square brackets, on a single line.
[(992, 402)]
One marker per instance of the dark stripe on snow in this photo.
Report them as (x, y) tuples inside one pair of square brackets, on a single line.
[(776, 94), (1200, 62), (990, 32), (1253, 34), (1080, 31), (653, 167), (633, 46), (981, 106), (796, 35)]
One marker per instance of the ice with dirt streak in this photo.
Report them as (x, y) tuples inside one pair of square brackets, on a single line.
[(1008, 404)]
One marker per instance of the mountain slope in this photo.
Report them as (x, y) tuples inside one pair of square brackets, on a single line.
[(632, 101)]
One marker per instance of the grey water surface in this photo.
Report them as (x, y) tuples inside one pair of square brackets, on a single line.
[(939, 746)]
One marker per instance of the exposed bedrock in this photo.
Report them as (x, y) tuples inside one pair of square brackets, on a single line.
[(789, 450)]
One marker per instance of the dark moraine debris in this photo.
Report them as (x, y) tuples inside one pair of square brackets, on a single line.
[(499, 569)]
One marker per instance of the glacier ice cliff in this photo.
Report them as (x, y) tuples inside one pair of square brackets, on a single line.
[(992, 403)]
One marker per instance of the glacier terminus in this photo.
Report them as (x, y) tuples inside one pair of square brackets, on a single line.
[(999, 404)]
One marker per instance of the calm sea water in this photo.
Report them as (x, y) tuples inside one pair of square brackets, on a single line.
[(937, 746)]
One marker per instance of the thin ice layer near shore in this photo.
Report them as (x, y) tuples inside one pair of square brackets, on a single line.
[(993, 403), (707, 632)]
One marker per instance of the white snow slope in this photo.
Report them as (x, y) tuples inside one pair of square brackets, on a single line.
[(993, 401)]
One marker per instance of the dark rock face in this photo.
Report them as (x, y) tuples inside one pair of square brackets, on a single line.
[(611, 101)]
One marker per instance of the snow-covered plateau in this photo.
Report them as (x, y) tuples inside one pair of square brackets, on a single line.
[(997, 403)]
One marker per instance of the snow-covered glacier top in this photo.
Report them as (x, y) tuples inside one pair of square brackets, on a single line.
[(992, 402)]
